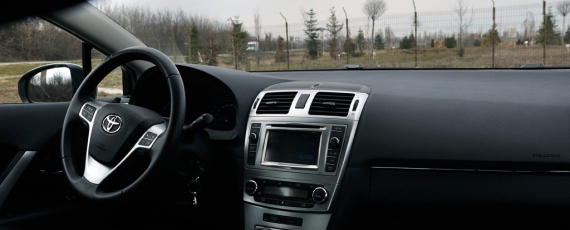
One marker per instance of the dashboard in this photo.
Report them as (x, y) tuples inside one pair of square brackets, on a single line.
[(205, 94), (437, 148)]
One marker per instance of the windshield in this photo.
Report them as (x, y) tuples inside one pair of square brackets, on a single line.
[(266, 36)]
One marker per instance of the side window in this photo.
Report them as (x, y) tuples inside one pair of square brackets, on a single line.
[(46, 57), (112, 84), (31, 43)]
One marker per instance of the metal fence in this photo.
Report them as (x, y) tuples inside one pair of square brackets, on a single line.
[(517, 28)]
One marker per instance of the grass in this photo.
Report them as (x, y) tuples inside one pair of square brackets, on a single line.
[(506, 56), (10, 74)]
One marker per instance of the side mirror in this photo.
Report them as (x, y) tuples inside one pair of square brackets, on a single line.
[(50, 83)]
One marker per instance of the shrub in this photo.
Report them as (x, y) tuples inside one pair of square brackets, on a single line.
[(450, 42)]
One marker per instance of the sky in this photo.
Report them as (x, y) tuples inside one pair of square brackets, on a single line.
[(269, 9)]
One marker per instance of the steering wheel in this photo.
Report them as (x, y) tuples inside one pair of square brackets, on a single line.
[(119, 132)]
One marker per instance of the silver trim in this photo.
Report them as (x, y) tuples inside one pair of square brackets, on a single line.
[(475, 170), (425, 169), (330, 180), (95, 172), (255, 190), (112, 121), (311, 221), (8, 183), (326, 195)]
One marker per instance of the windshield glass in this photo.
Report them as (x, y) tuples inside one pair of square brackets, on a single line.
[(267, 36)]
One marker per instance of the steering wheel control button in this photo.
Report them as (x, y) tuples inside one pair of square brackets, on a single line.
[(250, 187), (320, 195), (112, 123), (88, 112), (302, 101), (330, 168)]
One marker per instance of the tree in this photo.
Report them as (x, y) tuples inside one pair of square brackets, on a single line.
[(280, 55), (195, 44), (432, 43), (360, 41), (529, 29), (374, 9), (311, 30), (450, 42), (551, 30), (492, 33), (334, 27), (257, 23), (461, 10), (407, 42), (563, 9), (239, 44), (567, 36), (378, 41), (389, 35), (211, 51)]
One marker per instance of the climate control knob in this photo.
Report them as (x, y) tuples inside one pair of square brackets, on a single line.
[(250, 187), (334, 142), (320, 195)]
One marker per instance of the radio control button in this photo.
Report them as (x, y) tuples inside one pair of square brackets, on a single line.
[(253, 138), (330, 168), (252, 148), (333, 153), (334, 142), (332, 160), (338, 128), (320, 195), (250, 187), (251, 160)]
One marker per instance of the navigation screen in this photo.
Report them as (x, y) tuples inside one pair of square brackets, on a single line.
[(295, 147)]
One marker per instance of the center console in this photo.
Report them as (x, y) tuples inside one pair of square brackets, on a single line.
[(298, 143)]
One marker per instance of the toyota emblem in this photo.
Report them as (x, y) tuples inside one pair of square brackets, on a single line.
[(112, 123)]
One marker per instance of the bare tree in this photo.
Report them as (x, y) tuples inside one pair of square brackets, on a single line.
[(563, 9), (529, 30), (374, 9), (389, 37), (257, 24), (461, 9)]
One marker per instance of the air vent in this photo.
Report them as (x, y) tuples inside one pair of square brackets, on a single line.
[(276, 103), (331, 104)]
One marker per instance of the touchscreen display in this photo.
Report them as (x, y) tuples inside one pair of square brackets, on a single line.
[(295, 147)]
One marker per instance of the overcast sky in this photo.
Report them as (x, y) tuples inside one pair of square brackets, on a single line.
[(269, 9)]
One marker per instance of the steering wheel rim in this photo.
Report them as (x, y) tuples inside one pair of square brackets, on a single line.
[(102, 151)]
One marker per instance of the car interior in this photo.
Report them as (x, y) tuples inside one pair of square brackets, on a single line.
[(202, 147)]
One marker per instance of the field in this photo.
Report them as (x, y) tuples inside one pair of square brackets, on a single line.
[(10, 74), (506, 56)]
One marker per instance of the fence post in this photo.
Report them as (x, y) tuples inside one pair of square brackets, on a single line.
[(493, 36), (544, 32), (415, 36), (347, 39), (287, 38)]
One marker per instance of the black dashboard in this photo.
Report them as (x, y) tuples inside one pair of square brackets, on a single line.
[(429, 144)]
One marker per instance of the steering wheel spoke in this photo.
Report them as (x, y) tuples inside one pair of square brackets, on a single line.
[(95, 171)]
